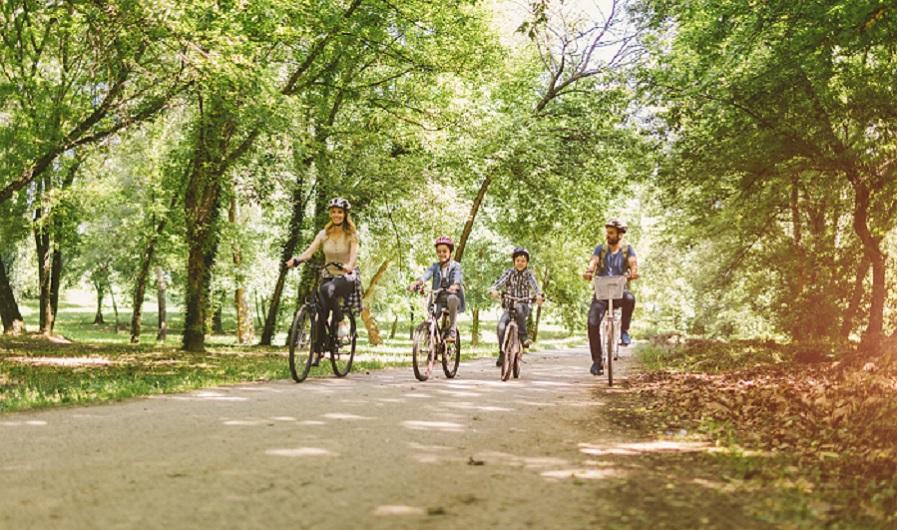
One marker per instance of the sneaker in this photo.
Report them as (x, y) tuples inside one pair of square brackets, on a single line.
[(451, 337), (316, 359), (596, 369), (625, 339), (343, 329), (527, 343), (500, 360)]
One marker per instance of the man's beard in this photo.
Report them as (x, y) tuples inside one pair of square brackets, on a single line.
[(613, 241)]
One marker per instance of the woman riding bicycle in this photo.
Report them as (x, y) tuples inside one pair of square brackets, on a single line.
[(339, 241)]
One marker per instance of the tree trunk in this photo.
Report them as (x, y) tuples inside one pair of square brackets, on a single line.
[(297, 218), (471, 217), (143, 273), (475, 328), (114, 308), (394, 328), (13, 323), (877, 258), (161, 288), (217, 320), (202, 209), (535, 329), (374, 338), (101, 293), (245, 331), (44, 267), (856, 298)]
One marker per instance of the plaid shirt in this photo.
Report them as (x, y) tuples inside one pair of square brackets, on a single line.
[(518, 284), (352, 301)]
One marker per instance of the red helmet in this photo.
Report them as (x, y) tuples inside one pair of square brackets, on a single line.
[(445, 240)]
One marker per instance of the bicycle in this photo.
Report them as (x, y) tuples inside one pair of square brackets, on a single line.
[(512, 350), (429, 336), (609, 288), (302, 339)]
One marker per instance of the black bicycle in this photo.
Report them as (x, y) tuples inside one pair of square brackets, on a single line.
[(303, 337)]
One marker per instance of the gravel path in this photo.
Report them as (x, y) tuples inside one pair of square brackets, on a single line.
[(379, 450)]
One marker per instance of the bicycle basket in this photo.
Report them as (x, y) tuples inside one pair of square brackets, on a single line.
[(609, 287)]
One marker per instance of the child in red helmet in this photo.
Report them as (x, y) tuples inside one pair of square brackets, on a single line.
[(446, 275)]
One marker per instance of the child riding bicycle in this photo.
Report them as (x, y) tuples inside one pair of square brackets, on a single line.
[(519, 282), (448, 276)]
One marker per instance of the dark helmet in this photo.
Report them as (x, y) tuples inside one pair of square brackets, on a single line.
[(520, 251), (616, 223), (339, 202), (444, 240)]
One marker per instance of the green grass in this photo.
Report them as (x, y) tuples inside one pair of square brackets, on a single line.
[(101, 365)]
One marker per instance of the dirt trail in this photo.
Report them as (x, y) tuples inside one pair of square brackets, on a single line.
[(379, 450)]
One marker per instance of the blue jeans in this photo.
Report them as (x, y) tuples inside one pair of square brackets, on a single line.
[(522, 314)]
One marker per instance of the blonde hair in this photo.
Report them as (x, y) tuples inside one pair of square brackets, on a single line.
[(348, 227)]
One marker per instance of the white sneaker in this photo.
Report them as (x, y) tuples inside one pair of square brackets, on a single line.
[(343, 329)]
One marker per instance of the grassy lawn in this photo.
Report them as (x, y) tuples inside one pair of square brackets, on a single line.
[(95, 364)]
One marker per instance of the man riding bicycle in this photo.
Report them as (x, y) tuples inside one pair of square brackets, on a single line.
[(611, 259)]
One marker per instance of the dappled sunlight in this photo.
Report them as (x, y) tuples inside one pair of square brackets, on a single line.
[(396, 509), (458, 393), (67, 362), (312, 422), (423, 447), (527, 462), (438, 458), (481, 408), (637, 448), (440, 426), (391, 400), (283, 418), (28, 423), (346, 416), (582, 474), (203, 396), (300, 452), (247, 423), (420, 395)]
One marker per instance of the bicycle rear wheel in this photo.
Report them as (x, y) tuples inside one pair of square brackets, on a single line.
[(422, 352), (510, 350), (451, 356), (342, 351), (301, 342)]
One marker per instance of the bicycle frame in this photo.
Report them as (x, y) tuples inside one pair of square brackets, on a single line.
[(609, 288)]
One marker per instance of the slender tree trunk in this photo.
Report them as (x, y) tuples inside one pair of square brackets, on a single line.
[(370, 323), (217, 316), (13, 323), (394, 328), (856, 298), (44, 267), (877, 259), (101, 293), (161, 299), (55, 282), (114, 308), (245, 331), (143, 273), (535, 328), (471, 217), (475, 328)]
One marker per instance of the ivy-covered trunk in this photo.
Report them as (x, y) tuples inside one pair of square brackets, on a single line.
[(13, 323)]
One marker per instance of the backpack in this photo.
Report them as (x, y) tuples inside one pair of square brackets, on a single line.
[(627, 253)]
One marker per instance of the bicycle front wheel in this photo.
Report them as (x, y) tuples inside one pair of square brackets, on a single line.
[(342, 351), (301, 343), (422, 352), (609, 353), (511, 348), (451, 356)]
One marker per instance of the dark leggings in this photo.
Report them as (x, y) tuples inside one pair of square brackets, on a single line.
[(331, 294), (596, 313)]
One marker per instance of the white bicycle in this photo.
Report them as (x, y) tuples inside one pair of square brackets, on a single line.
[(610, 288)]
